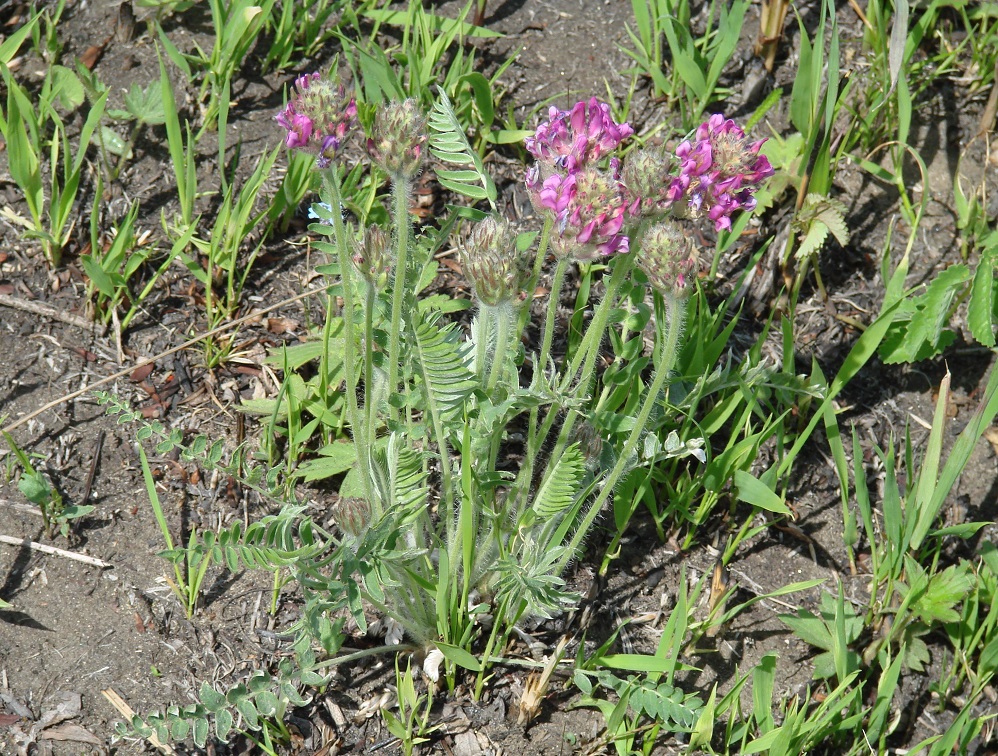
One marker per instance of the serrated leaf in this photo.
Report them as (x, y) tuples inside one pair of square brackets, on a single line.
[(819, 216), (146, 104), (924, 333), (35, 488)]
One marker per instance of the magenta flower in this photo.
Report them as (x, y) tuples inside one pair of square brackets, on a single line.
[(318, 117), (551, 194), (571, 139), (589, 208), (719, 171)]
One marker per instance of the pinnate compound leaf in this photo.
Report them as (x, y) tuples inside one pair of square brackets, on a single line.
[(443, 366), (449, 144), (561, 486)]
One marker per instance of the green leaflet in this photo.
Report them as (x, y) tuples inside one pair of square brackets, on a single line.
[(559, 489), (449, 144)]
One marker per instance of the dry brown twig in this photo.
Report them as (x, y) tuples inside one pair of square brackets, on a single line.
[(47, 311), (128, 712), (41, 547)]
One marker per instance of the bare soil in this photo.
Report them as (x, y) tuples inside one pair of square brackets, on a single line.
[(77, 630)]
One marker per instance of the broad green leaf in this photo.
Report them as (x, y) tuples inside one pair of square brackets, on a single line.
[(459, 656), (753, 491)]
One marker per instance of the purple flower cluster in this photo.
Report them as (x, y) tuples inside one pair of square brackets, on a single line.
[(318, 117), (588, 203), (570, 139), (719, 171)]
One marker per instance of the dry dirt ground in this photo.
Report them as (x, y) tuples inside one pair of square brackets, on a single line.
[(77, 630)]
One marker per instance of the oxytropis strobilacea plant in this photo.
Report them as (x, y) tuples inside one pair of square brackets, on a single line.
[(442, 523)]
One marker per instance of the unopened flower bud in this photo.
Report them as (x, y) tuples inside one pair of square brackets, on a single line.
[(669, 258), (398, 138), (318, 117), (646, 176), (590, 444), (352, 515), (372, 257), (491, 261)]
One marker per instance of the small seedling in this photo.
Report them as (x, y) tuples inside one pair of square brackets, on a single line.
[(37, 489)]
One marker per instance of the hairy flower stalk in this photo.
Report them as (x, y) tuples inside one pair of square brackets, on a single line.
[(397, 145), (319, 118), (585, 207), (670, 259), (358, 427), (372, 259), (674, 316)]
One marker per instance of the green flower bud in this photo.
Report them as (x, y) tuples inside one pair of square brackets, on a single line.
[(398, 138), (491, 261), (646, 176), (669, 258), (352, 515), (373, 257)]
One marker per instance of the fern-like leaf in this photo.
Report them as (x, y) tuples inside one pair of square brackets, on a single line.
[(449, 144), (442, 363), (559, 489), (405, 477)]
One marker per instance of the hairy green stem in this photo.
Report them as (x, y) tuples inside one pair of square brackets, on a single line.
[(370, 410), (504, 320), (552, 313), (483, 332), (357, 426), (584, 357), (400, 217), (674, 313), (535, 275)]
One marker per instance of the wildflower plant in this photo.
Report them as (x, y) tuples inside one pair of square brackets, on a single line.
[(435, 532)]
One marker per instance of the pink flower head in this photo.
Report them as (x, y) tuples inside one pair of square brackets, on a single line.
[(571, 139), (589, 207), (318, 117), (719, 171)]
